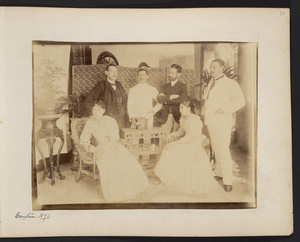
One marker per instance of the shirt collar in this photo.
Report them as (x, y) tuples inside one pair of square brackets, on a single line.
[(219, 77), (113, 83), (174, 82)]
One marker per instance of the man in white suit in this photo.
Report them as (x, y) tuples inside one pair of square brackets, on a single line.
[(141, 97), (140, 102), (223, 98)]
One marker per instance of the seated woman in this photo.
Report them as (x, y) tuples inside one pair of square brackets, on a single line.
[(183, 163), (121, 175)]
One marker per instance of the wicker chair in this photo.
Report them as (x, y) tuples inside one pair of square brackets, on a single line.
[(85, 158)]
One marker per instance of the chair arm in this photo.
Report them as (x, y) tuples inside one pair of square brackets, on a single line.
[(86, 156)]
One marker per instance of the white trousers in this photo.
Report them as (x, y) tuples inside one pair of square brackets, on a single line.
[(220, 136)]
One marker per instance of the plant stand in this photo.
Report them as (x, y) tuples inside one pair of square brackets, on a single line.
[(50, 131)]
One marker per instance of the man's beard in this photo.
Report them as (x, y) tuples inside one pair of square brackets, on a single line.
[(171, 78)]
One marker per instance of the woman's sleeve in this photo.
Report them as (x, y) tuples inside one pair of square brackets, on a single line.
[(179, 133), (85, 138)]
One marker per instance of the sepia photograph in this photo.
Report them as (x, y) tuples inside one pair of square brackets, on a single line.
[(145, 122), (144, 125)]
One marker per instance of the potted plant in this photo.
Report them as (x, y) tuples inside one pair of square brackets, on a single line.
[(46, 90), (69, 104), (50, 103)]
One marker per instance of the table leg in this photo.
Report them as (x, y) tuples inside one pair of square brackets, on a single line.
[(43, 157), (50, 141), (61, 136)]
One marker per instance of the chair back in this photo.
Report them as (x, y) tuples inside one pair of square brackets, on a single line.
[(77, 126)]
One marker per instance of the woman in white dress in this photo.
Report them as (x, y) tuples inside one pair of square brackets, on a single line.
[(183, 163), (121, 175)]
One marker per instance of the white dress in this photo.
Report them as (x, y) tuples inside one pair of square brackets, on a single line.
[(121, 175), (184, 164)]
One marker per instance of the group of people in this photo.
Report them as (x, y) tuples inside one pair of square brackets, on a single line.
[(183, 163)]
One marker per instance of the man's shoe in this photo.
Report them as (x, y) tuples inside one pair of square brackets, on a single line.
[(228, 188), (218, 178)]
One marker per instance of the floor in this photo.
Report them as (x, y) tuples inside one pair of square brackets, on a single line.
[(87, 190)]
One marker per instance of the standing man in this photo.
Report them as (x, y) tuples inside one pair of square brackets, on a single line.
[(142, 96), (112, 93), (223, 98), (172, 94)]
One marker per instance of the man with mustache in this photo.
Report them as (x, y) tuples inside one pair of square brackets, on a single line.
[(112, 93), (142, 96), (172, 94), (224, 97)]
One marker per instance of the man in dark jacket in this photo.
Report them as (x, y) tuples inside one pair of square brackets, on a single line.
[(112, 93), (172, 94)]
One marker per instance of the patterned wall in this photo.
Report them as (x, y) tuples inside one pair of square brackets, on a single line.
[(85, 78), (157, 77)]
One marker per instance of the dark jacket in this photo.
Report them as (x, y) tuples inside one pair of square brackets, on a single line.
[(172, 106), (115, 101)]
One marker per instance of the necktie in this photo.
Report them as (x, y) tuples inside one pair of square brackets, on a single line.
[(113, 86), (213, 83)]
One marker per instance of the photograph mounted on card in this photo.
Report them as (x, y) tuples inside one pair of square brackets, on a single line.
[(168, 125)]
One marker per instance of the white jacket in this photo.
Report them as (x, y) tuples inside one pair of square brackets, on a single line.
[(226, 95), (140, 100)]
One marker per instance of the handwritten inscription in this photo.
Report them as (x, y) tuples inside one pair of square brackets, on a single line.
[(40, 216)]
